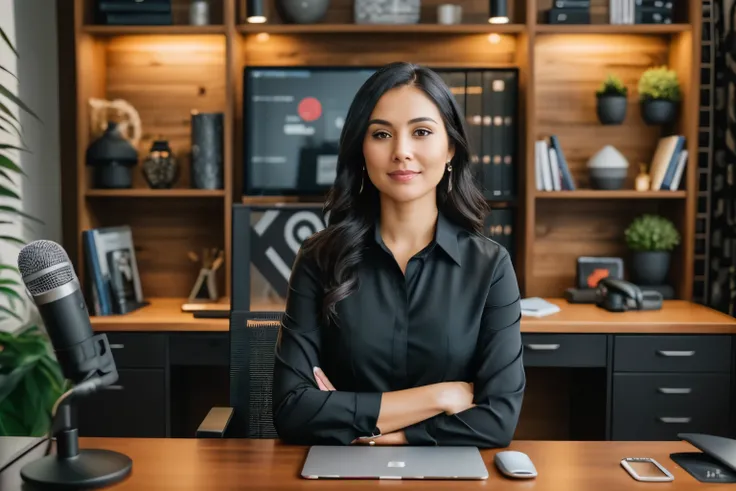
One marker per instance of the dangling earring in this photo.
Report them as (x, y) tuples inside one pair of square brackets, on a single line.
[(449, 177), (362, 176)]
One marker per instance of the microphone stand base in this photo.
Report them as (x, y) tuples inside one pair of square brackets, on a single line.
[(90, 468)]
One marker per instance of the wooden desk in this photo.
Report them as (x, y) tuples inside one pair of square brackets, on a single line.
[(189, 464), (676, 316), (174, 368)]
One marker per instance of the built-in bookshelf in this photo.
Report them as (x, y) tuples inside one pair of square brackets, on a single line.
[(166, 72)]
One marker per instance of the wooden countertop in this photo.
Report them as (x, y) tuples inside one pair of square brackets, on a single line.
[(676, 317), (236, 464)]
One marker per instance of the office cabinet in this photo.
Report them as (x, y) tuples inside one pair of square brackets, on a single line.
[(669, 384)]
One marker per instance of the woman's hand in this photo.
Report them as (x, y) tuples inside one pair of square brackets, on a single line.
[(322, 381), (456, 397), (395, 438)]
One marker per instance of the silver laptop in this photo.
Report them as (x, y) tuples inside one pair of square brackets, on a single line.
[(393, 462)]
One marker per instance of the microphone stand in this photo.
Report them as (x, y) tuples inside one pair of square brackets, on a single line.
[(70, 466)]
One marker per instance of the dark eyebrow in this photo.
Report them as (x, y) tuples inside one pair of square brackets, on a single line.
[(411, 121)]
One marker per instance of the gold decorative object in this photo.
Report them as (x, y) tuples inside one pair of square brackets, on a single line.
[(643, 180), (120, 111), (205, 288)]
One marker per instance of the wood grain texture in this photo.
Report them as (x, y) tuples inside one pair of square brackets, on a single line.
[(677, 316), (166, 78), (450, 50), (163, 232), (569, 69), (232, 464), (565, 230)]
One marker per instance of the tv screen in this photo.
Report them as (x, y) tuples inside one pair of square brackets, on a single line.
[(293, 118)]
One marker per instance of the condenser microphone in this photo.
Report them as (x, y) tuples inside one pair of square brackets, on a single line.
[(86, 361)]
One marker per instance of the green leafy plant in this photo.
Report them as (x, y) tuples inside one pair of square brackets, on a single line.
[(30, 377), (651, 233), (659, 83), (612, 86)]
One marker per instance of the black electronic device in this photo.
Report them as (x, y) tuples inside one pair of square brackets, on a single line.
[(616, 295), (716, 462), (293, 120), (86, 361)]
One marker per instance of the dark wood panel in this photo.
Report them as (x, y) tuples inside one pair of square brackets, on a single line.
[(166, 78), (569, 69), (472, 50), (163, 232)]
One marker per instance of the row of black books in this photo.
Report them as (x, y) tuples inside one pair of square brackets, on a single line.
[(114, 284), (569, 12), (640, 11), (488, 100), (134, 12), (499, 226)]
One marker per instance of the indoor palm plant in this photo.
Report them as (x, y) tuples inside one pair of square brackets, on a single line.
[(30, 377), (651, 239), (659, 95), (611, 101)]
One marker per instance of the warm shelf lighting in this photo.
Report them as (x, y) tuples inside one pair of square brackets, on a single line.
[(494, 38), (497, 13), (256, 15)]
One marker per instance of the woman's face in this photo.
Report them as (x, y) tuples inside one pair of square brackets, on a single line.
[(406, 147)]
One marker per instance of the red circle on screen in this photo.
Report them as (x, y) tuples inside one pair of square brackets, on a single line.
[(309, 109)]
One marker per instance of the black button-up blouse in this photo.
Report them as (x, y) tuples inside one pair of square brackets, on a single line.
[(454, 316)]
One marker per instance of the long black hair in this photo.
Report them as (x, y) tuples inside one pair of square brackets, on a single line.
[(338, 249)]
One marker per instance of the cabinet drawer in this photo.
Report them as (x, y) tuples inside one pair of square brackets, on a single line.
[(564, 350), (658, 406), (136, 409), (138, 350), (672, 353), (210, 349)]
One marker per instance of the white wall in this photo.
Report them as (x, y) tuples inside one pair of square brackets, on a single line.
[(31, 27)]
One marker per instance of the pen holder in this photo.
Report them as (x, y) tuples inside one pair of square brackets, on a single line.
[(205, 288)]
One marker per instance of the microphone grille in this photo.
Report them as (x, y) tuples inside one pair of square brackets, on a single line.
[(40, 255)]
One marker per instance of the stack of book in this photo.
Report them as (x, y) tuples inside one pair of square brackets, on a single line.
[(640, 12), (499, 226), (569, 12), (134, 12)]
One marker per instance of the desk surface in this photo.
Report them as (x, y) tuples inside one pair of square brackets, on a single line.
[(190, 464), (676, 317)]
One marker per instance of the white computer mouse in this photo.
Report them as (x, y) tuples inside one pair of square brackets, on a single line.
[(513, 463)]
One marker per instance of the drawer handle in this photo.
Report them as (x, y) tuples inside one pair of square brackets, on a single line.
[(676, 353), (117, 346), (675, 390), (666, 419), (543, 347)]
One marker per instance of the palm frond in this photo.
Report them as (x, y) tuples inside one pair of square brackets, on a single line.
[(7, 41), (8, 193), (9, 210), (8, 72), (6, 163), (5, 92), (7, 146), (6, 110)]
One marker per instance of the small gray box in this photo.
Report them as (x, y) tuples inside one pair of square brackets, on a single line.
[(386, 11)]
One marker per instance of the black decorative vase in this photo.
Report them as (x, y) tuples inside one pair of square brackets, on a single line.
[(111, 157), (650, 267), (655, 112), (160, 167), (611, 109), (207, 158), (302, 11)]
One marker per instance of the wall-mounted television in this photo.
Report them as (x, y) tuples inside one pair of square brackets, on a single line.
[(293, 118)]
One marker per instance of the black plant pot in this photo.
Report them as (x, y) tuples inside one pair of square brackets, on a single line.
[(611, 109), (655, 112), (650, 267)]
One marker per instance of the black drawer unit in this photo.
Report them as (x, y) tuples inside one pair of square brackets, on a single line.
[(138, 350), (564, 350), (658, 406), (136, 409), (668, 353)]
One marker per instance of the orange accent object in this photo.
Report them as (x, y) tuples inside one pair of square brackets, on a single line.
[(597, 275)]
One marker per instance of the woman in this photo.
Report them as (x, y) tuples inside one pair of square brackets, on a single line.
[(402, 320)]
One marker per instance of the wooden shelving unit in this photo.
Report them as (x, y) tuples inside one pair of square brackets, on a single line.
[(168, 71)]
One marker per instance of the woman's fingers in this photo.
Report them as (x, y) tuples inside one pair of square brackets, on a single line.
[(322, 381)]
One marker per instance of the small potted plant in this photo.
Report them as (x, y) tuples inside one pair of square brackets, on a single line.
[(651, 239), (659, 94), (611, 101)]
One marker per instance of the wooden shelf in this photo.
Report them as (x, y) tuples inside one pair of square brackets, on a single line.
[(603, 194), (103, 30), (382, 28), (155, 193), (612, 28)]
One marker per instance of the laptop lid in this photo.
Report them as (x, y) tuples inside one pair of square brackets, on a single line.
[(393, 462)]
